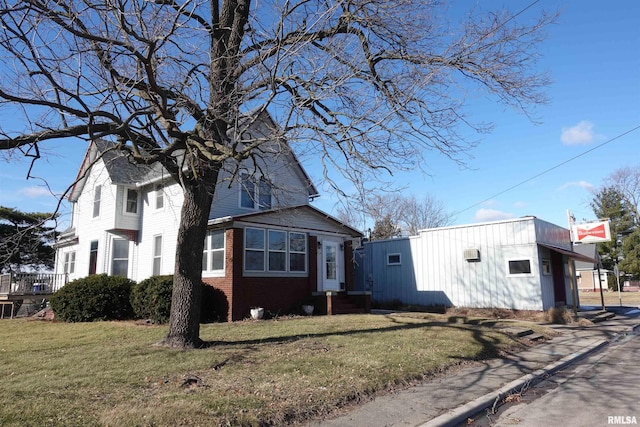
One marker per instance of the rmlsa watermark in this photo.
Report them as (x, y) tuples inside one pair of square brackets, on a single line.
[(621, 419)]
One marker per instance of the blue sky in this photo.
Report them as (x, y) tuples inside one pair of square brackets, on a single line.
[(593, 56)]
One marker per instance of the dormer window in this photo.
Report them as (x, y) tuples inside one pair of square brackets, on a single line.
[(131, 204), (254, 193)]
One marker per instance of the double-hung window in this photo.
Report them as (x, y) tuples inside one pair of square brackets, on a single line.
[(254, 249), (297, 252), (120, 257), (159, 196), (97, 195), (69, 262), (213, 255), (157, 254), (255, 194), (277, 250)]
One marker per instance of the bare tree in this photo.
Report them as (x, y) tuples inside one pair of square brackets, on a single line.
[(399, 213), (626, 181), (366, 85), (417, 214)]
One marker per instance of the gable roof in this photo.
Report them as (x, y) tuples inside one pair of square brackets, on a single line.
[(123, 170), (590, 251), (284, 217)]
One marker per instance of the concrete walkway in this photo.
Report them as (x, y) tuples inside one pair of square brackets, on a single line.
[(451, 399)]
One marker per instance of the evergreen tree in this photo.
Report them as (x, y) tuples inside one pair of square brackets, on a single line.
[(25, 240)]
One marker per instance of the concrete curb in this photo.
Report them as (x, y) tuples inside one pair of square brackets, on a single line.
[(460, 414)]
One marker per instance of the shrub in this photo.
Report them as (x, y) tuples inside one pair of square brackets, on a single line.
[(151, 298), (215, 305), (97, 297)]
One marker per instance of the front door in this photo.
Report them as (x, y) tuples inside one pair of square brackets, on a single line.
[(331, 266), (557, 269)]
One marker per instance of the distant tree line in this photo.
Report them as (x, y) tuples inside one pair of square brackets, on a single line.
[(619, 200)]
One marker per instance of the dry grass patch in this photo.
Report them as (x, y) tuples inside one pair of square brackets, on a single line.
[(611, 298), (254, 373)]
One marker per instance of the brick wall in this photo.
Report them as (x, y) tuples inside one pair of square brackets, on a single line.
[(274, 294)]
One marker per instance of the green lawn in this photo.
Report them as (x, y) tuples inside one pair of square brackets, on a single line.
[(253, 373)]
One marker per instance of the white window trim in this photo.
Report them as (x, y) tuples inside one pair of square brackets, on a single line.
[(393, 255), (509, 274), (205, 269), (112, 258)]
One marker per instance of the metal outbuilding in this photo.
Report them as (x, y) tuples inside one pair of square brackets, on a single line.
[(522, 264)]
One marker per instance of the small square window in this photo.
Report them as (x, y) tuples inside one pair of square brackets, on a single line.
[(393, 259), (546, 267)]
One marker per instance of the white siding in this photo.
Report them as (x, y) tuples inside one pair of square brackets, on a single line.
[(288, 188), (89, 229), (155, 222), (434, 270)]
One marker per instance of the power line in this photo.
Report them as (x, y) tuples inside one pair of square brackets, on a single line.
[(549, 170)]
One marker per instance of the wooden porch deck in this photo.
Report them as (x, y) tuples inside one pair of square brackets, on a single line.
[(18, 287)]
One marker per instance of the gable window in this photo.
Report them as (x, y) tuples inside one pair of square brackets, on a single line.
[(69, 262), (254, 195), (275, 251), (159, 196), (120, 257), (520, 266), (131, 204), (97, 194), (264, 194), (157, 254), (393, 259), (213, 255), (93, 257)]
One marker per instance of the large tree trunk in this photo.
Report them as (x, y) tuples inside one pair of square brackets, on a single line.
[(184, 321)]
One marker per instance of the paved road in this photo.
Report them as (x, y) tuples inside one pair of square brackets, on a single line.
[(600, 390)]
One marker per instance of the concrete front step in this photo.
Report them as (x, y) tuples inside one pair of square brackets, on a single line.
[(518, 332), (601, 317)]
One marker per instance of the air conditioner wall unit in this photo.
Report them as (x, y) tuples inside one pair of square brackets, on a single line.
[(472, 254)]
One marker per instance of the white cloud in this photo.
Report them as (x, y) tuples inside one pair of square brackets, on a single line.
[(484, 215), (35, 192), (582, 133), (582, 184)]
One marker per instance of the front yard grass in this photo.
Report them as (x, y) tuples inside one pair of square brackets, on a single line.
[(253, 373)]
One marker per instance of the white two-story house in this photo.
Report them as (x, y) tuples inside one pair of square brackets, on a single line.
[(266, 245)]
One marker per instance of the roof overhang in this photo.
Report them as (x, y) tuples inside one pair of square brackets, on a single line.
[(254, 217), (570, 254)]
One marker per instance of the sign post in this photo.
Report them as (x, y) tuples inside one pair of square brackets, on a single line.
[(593, 232)]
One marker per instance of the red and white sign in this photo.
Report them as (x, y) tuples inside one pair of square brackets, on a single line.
[(592, 232)]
